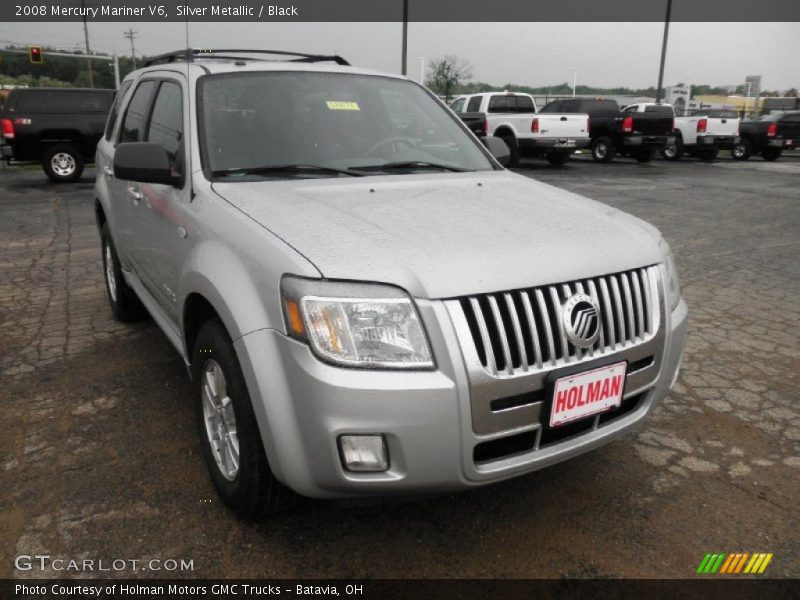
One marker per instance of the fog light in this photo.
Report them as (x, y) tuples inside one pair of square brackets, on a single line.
[(364, 453)]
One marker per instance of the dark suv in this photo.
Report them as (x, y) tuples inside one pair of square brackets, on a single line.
[(55, 126)]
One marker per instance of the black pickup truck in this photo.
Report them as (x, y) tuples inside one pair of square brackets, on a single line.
[(768, 136), (58, 127), (614, 131)]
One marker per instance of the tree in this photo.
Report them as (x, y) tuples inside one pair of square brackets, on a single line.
[(446, 73), (791, 92)]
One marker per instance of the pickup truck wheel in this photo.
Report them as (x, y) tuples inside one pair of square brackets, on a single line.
[(125, 304), (603, 150), (513, 149), (63, 163), (742, 150), (643, 156), (557, 159), (230, 438), (771, 154), (673, 152)]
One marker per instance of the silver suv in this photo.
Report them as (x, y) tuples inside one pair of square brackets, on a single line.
[(367, 301)]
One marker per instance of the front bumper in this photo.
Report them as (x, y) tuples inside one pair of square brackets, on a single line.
[(303, 405)]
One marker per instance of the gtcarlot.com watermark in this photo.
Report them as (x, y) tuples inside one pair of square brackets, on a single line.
[(58, 564)]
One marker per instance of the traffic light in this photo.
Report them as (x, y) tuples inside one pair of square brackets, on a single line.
[(36, 55)]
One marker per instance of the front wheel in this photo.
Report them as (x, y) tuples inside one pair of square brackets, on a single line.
[(230, 437), (557, 159), (771, 154), (602, 150), (63, 163)]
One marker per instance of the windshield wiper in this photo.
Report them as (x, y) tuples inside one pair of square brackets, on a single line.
[(409, 164), (269, 169)]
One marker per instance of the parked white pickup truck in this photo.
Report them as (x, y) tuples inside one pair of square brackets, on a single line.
[(513, 117), (702, 133)]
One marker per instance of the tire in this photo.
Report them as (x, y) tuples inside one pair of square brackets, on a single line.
[(771, 154), (743, 150), (224, 411), (643, 156), (125, 304), (603, 150), (557, 159), (673, 152), (63, 163), (513, 149)]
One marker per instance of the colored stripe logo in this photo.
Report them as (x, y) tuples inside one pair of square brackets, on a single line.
[(734, 563)]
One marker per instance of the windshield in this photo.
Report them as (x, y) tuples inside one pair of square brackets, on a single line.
[(311, 124)]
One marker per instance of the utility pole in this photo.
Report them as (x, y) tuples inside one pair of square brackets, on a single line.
[(574, 80), (660, 90), (86, 39), (130, 34), (404, 61), (421, 69)]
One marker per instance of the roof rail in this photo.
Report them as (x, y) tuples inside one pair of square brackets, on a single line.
[(189, 54)]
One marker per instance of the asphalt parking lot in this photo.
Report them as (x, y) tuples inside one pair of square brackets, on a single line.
[(100, 457)]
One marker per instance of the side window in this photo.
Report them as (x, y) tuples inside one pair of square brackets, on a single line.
[(474, 104), (458, 105), (31, 101), (166, 121), (552, 107), (631, 108), (112, 116), (132, 129)]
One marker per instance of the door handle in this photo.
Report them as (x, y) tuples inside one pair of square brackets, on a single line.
[(563, 118), (108, 171), (135, 194)]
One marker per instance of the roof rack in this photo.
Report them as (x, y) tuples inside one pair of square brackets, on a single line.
[(189, 54)]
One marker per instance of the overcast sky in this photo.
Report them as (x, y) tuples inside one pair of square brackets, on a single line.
[(604, 54)]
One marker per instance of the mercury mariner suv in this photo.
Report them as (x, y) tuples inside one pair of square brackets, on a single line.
[(368, 302)]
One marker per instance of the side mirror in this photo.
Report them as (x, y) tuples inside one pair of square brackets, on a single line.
[(144, 162), (498, 148)]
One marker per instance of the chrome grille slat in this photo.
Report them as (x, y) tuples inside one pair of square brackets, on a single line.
[(562, 336), (537, 350), (512, 309), (546, 320), (498, 321), (484, 331), (525, 332)]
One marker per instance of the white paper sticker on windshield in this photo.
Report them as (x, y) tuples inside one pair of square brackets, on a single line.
[(342, 105)]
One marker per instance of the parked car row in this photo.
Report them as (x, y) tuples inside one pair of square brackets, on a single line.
[(637, 130)]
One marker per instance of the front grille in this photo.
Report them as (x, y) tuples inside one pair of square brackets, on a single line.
[(519, 331)]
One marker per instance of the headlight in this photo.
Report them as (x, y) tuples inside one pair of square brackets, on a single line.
[(356, 325), (673, 282)]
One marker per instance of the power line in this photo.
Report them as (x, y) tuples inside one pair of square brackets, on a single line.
[(130, 34)]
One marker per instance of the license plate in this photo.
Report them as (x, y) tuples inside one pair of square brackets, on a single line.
[(790, 142), (584, 394)]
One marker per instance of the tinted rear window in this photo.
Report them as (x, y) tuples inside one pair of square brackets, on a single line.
[(660, 109), (599, 106), (72, 102), (30, 101), (474, 104), (510, 104)]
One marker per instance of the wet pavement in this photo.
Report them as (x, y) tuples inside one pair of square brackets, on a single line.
[(101, 460)]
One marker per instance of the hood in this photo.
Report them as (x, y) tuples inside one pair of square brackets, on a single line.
[(446, 235)]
